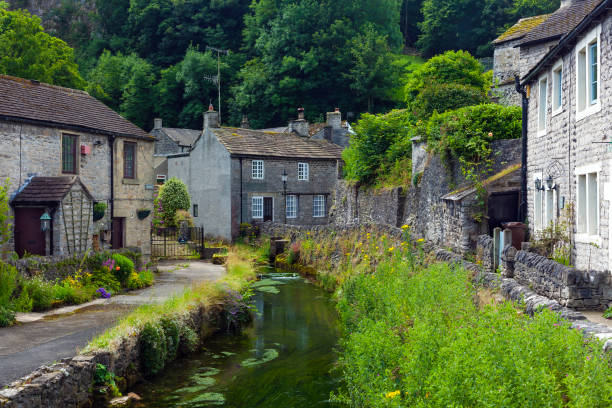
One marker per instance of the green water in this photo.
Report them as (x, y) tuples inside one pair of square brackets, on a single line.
[(284, 359)]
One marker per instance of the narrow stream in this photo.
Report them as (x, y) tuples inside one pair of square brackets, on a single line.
[(283, 360)]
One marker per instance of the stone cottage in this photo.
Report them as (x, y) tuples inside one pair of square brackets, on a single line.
[(568, 128), (237, 175), (170, 141), (63, 151)]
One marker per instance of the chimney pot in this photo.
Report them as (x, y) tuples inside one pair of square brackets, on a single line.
[(211, 118), (157, 123), (300, 113), (245, 122), (334, 119), (211, 108)]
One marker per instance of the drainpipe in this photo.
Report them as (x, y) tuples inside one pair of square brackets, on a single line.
[(525, 107), (111, 141), (240, 190)]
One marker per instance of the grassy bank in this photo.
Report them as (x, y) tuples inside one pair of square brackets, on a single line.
[(240, 270), (417, 333)]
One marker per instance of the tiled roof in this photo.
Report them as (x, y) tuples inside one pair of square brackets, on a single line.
[(521, 28), (47, 190), (184, 137), (35, 101), (561, 21), (246, 142)]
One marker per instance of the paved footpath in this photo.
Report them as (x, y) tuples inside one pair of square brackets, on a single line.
[(42, 338)]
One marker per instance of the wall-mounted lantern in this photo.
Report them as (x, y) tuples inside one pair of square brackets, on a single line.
[(538, 184), (550, 183), (45, 222)]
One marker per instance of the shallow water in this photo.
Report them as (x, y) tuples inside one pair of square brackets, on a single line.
[(283, 360)]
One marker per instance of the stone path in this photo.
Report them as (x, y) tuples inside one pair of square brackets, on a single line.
[(42, 338)]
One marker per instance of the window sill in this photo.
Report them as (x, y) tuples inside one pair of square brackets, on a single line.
[(130, 181), (542, 132), (557, 112), (318, 216), (588, 239), (588, 111)]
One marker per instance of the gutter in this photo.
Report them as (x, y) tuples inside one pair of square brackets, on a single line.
[(522, 215), (603, 6)]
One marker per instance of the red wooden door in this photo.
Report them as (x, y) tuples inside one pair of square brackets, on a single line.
[(28, 236), (117, 233)]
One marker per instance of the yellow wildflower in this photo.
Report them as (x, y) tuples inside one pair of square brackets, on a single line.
[(391, 249), (420, 240), (393, 394), (405, 227)]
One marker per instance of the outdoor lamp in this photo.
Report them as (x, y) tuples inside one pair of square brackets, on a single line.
[(284, 176), (550, 184), (45, 222), (538, 184)]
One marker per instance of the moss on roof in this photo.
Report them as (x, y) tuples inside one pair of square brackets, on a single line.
[(521, 28)]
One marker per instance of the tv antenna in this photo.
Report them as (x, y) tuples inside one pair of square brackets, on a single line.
[(216, 79)]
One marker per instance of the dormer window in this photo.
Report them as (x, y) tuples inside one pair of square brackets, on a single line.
[(587, 74), (257, 171)]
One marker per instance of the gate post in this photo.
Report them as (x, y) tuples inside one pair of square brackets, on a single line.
[(165, 238)]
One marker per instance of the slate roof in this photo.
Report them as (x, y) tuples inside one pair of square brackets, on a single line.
[(23, 99), (561, 22), (184, 137), (47, 190), (247, 142), (521, 28)]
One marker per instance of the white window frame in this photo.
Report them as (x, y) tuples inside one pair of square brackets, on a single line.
[(291, 210), (549, 207), (586, 231), (161, 177), (257, 170), (537, 205), (260, 205), (303, 171), (322, 206), (542, 104), (584, 84), (557, 87)]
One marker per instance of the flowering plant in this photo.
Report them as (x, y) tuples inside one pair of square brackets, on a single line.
[(103, 293)]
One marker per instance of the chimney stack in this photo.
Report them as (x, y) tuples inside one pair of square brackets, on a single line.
[(334, 119), (328, 132), (211, 118), (301, 125), (157, 123), (245, 122)]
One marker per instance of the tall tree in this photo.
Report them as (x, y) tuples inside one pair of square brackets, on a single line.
[(26, 51)]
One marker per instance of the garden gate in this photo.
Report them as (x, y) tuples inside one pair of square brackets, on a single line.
[(177, 243)]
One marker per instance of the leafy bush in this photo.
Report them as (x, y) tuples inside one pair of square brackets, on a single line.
[(41, 292), (72, 295), (189, 340), (106, 380), (7, 316), (375, 135), (6, 228), (153, 348), (123, 267), (173, 196), (437, 97), (102, 277), (139, 280), (8, 283), (99, 210), (24, 303), (467, 132), (173, 336)]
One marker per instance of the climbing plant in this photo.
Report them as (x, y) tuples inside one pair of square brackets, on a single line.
[(5, 218)]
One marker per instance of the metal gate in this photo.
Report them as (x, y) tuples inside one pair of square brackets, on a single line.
[(177, 243)]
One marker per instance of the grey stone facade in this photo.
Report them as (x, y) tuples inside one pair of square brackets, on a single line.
[(573, 143), (219, 174)]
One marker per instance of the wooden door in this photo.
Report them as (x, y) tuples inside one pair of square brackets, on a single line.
[(28, 236), (117, 233), (268, 214)]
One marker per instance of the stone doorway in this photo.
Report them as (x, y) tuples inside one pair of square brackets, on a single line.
[(28, 236)]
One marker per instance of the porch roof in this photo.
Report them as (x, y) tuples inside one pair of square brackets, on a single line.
[(47, 190)]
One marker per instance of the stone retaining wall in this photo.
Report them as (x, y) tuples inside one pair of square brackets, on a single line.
[(68, 384), (569, 286)]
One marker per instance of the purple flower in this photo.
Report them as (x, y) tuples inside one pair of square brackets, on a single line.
[(103, 293)]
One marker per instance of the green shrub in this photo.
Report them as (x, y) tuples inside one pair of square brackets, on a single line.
[(24, 303), (104, 278), (7, 316), (41, 292), (173, 336), (183, 216), (173, 196), (73, 295), (436, 97), (146, 277), (123, 268), (8, 283), (153, 348), (189, 340), (139, 280), (99, 210), (105, 380)]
